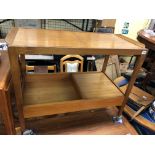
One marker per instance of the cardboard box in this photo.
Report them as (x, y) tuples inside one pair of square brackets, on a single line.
[(107, 23)]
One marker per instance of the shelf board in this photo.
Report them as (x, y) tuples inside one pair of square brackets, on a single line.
[(46, 94), (48, 88), (95, 85)]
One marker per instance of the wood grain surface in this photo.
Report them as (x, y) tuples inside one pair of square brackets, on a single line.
[(65, 42)]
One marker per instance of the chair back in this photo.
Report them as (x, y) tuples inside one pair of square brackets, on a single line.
[(71, 63), (40, 69)]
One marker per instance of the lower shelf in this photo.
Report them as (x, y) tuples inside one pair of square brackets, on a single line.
[(49, 88), (46, 94)]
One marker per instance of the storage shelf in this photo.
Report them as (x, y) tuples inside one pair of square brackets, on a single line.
[(95, 85), (58, 92), (47, 88)]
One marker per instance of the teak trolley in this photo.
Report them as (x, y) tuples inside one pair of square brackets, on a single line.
[(46, 94)]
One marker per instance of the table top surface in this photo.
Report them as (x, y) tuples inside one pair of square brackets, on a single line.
[(147, 36), (22, 37)]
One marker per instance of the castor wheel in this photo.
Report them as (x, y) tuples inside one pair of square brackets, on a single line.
[(117, 119), (28, 132)]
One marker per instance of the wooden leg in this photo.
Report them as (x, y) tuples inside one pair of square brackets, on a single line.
[(7, 115), (130, 61), (105, 63), (16, 76), (138, 112), (139, 62), (23, 64), (23, 68)]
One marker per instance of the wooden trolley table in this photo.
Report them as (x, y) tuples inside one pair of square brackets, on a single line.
[(46, 94)]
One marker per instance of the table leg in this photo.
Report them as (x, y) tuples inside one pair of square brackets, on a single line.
[(130, 61), (7, 115), (105, 63), (23, 65), (16, 76), (139, 62)]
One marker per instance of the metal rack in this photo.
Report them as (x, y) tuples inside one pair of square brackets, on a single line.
[(55, 24), (68, 24), (5, 26)]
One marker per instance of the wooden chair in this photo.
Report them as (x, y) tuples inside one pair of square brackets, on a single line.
[(52, 68), (36, 68), (71, 63), (29, 68), (139, 97)]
